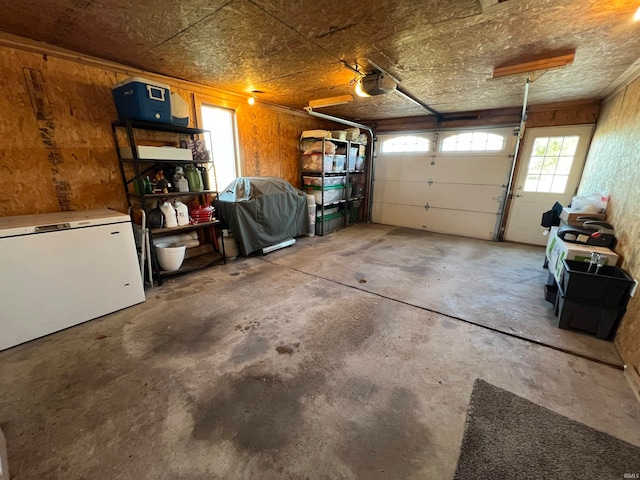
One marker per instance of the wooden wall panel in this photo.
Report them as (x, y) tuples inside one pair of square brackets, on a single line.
[(566, 113), (60, 155), (26, 179), (560, 114), (258, 132), (289, 133), (613, 165), (269, 141)]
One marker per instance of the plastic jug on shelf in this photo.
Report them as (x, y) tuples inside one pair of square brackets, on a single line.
[(179, 180), (182, 212), (155, 219), (205, 178), (194, 178), (170, 219)]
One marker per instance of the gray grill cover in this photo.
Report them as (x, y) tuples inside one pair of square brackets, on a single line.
[(263, 211)]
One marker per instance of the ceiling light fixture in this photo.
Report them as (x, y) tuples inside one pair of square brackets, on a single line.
[(636, 17), (330, 102)]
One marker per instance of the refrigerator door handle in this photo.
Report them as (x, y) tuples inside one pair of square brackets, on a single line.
[(52, 228)]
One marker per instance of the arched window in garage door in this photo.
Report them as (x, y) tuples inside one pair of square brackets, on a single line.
[(472, 142), (405, 144)]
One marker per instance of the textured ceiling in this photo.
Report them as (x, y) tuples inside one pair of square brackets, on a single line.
[(442, 51)]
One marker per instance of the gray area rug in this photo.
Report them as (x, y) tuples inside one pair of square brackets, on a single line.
[(508, 437)]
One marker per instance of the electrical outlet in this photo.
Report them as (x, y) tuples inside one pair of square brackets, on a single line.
[(634, 288)]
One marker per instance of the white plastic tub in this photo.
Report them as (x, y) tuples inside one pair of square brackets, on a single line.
[(327, 180), (314, 162), (333, 193), (339, 163), (170, 256)]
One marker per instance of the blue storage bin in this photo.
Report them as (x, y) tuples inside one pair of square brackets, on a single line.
[(141, 99)]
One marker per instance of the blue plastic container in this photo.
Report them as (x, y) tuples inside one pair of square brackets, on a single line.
[(141, 99)]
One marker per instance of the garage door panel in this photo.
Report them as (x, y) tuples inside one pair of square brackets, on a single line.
[(463, 190), (403, 167), (481, 170), (452, 222), (406, 193), (477, 198)]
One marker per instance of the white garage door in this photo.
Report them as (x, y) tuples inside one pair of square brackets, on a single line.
[(450, 182)]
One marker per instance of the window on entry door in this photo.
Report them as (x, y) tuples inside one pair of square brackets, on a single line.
[(550, 164), (220, 121)]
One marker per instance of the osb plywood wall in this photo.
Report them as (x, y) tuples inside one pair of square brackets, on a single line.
[(57, 151), (269, 143), (548, 115), (613, 165)]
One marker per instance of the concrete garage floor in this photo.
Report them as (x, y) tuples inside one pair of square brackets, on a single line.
[(497, 285), (258, 370)]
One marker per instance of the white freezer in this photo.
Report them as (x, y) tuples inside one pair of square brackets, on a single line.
[(61, 269)]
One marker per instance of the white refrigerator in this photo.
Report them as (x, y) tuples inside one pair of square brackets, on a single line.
[(61, 269)]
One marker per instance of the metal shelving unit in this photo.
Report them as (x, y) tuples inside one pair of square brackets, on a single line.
[(211, 251), (320, 164)]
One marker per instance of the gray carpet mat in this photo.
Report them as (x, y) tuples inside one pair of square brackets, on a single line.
[(509, 437)]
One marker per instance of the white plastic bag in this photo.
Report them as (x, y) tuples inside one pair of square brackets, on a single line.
[(591, 203)]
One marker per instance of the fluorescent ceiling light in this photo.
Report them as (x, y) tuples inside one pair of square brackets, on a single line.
[(329, 102)]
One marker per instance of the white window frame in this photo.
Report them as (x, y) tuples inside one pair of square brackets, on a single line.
[(428, 137), (234, 130), (448, 133), (555, 173)]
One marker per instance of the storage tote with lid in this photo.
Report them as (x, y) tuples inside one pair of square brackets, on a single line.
[(323, 180), (328, 223), (138, 98), (332, 193)]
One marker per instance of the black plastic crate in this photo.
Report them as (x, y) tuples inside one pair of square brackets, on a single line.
[(594, 318), (610, 287), (551, 280), (550, 293)]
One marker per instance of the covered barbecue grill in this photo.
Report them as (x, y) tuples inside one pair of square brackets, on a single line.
[(262, 212)]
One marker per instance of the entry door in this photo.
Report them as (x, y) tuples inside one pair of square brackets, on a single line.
[(550, 171), (450, 183)]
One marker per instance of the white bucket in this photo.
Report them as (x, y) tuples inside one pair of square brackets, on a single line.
[(231, 249), (170, 256)]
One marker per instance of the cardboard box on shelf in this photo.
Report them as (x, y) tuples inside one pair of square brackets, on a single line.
[(570, 217), (557, 250)]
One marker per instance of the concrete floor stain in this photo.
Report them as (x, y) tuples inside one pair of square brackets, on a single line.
[(390, 442), (282, 349), (186, 334), (257, 412)]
